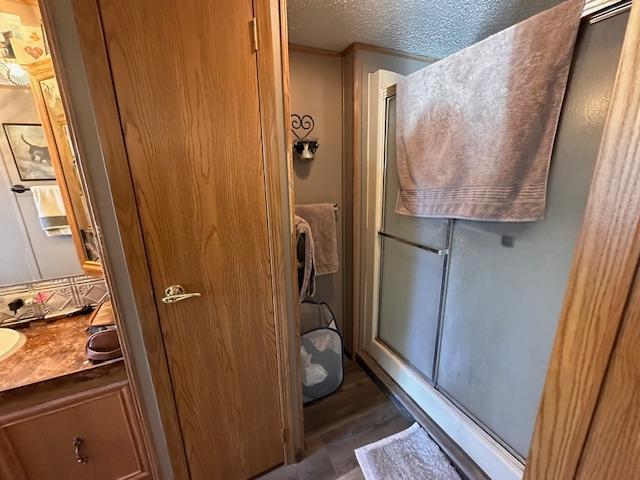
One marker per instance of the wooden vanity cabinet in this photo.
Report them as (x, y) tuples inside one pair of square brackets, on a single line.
[(89, 435)]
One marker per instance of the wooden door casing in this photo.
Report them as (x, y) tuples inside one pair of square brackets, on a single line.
[(186, 86), (275, 110), (612, 449)]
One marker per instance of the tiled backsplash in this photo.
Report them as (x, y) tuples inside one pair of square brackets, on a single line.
[(57, 294)]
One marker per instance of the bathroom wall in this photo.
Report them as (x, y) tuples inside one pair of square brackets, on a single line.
[(27, 253), (316, 90)]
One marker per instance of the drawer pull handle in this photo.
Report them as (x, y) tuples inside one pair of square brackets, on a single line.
[(77, 443)]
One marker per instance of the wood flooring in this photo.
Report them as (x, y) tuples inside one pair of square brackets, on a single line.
[(358, 414)]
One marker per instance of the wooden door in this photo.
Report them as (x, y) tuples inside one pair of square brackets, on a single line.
[(185, 79)]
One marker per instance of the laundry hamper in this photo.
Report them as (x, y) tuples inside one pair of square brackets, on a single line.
[(321, 352)]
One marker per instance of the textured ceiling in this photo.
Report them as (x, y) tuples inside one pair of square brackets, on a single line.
[(432, 28)]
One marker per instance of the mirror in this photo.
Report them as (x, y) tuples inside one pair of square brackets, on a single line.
[(49, 104), (53, 294), (49, 261)]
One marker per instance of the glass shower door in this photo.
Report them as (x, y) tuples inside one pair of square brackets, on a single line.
[(467, 310), (412, 265), (507, 280)]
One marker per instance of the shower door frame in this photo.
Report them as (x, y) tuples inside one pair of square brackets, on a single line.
[(487, 452)]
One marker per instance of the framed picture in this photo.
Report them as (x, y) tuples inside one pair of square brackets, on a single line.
[(30, 47), (30, 152), (6, 49), (10, 28)]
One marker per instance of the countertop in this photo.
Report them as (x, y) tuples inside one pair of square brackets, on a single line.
[(52, 350)]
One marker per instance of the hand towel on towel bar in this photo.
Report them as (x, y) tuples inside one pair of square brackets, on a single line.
[(53, 217), (322, 219), (475, 130), (305, 258)]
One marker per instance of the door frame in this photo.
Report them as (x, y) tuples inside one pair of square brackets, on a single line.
[(129, 253)]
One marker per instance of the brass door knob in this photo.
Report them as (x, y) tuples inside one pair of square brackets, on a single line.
[(177, 293)]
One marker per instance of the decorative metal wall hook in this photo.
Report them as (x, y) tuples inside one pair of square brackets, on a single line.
[(302, 126)]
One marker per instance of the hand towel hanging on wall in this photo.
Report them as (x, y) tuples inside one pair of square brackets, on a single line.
[(322, 219), (53, 217), (476, 129)]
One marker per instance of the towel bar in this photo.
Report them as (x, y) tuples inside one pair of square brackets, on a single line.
[(19, 189), (335, 206), (428, 248)]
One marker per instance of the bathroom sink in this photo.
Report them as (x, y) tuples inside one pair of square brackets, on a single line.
[(10, 342)]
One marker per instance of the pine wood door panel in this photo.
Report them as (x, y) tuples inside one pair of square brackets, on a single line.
[(186, 86)]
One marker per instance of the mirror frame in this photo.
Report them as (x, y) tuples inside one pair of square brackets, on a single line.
[(60, 150)]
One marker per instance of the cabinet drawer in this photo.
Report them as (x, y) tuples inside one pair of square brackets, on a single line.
[(99, 427)]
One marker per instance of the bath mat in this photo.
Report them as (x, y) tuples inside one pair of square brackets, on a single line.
[(407, 455)]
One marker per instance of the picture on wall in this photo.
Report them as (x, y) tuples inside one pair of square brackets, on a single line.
[(30, 152), (30, 47), (10, 28), (6, 49)]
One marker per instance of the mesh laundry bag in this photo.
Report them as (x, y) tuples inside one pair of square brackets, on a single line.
[(320, 352)]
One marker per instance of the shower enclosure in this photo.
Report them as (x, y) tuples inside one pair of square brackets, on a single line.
[(462, 314)]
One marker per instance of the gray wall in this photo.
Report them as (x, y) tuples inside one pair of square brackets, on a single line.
[(316, 90)]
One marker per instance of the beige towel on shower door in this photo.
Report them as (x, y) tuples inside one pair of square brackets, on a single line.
[(476, 129), (322, 219)]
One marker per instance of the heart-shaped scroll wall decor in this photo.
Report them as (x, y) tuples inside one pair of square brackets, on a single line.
[(302, 126)]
